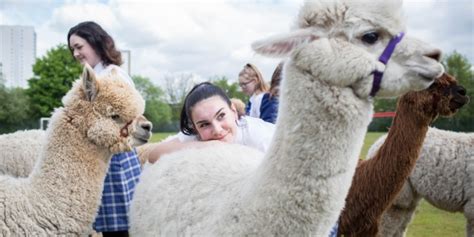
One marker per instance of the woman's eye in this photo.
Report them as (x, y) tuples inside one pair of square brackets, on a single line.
[(203, 125), (370, 38), (221, 116)]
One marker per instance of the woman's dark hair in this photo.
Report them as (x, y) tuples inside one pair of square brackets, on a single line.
[(276, 79), (99, 40), (199, 92)]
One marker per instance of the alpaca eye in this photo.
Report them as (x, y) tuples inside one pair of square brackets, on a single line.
[(115, 117), (370, 38)]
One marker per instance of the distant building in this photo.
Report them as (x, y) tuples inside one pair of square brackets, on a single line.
[(17, 54), (126, 58)]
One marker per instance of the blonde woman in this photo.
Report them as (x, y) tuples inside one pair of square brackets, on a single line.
[(253, 85)]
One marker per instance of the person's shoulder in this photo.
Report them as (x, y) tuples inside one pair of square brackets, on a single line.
[(112, 68), (253, 123), (260, 96), (268, 99)]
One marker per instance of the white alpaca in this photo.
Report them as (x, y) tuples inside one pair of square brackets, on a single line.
[(62, 194), (298, 187), (21, 149), (443, 176)]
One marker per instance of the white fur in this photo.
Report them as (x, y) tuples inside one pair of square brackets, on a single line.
[(61, 195), (298, 188), (19, 152), (443, 175)]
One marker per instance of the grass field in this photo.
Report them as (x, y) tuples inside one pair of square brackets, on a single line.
[(428, 222)]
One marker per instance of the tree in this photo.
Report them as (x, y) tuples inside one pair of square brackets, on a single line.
[(177, 87), (231, 89), (156, 109), (53, 77), (14, 109)]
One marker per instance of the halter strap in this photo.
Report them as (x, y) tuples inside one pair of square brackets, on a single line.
[(387, 53), (124, 130)]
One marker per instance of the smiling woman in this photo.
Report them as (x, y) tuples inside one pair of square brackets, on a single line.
[(207, 117)]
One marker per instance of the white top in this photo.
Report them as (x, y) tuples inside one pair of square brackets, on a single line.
[(102, 71), (252, 132), (255, 102)]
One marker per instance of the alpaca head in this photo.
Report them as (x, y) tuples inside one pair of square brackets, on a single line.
[(444, 97), (340, 42), (140, 131), (107, 111)]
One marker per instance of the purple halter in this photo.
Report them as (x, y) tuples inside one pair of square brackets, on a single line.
[(384, 59)]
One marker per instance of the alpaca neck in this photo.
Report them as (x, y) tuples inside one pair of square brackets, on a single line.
[(69, 175), (378, 180), (313, 152)]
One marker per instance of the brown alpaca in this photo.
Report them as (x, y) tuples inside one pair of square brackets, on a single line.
[(377, 181)]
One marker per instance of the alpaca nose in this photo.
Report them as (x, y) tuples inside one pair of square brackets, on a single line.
[(461, 90), (435, 54), (147, 126)]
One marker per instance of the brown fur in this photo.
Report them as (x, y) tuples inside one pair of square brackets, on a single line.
[(377, 181)]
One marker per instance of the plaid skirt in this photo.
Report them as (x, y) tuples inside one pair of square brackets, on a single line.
[(119, 186)]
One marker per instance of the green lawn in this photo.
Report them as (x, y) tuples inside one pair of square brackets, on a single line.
[(428, 222)]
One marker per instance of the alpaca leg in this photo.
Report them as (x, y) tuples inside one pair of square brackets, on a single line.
[(470, 228), (395, 219), (469, 214)]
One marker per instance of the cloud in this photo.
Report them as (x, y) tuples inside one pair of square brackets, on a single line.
[(213, 37), (444, 24)]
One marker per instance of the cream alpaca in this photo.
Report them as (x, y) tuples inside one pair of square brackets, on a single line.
[(298, 187), (61, 196), (443, 176)]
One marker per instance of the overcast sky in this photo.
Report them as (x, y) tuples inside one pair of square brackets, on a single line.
[(213, 37)]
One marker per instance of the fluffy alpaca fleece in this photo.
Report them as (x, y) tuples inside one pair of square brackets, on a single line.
[(378, 180), (298, 187), (61, 196), (21, 149), (443, 176)]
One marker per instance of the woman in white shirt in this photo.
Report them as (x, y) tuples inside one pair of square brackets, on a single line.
[(90, 43), (207, 117)]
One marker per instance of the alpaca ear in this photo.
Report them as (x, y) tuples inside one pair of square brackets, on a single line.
[(283, 45), (89, 82), (113, 72)]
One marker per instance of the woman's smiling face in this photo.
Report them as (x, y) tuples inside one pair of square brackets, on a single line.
[(213, 119), (83, 51)]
